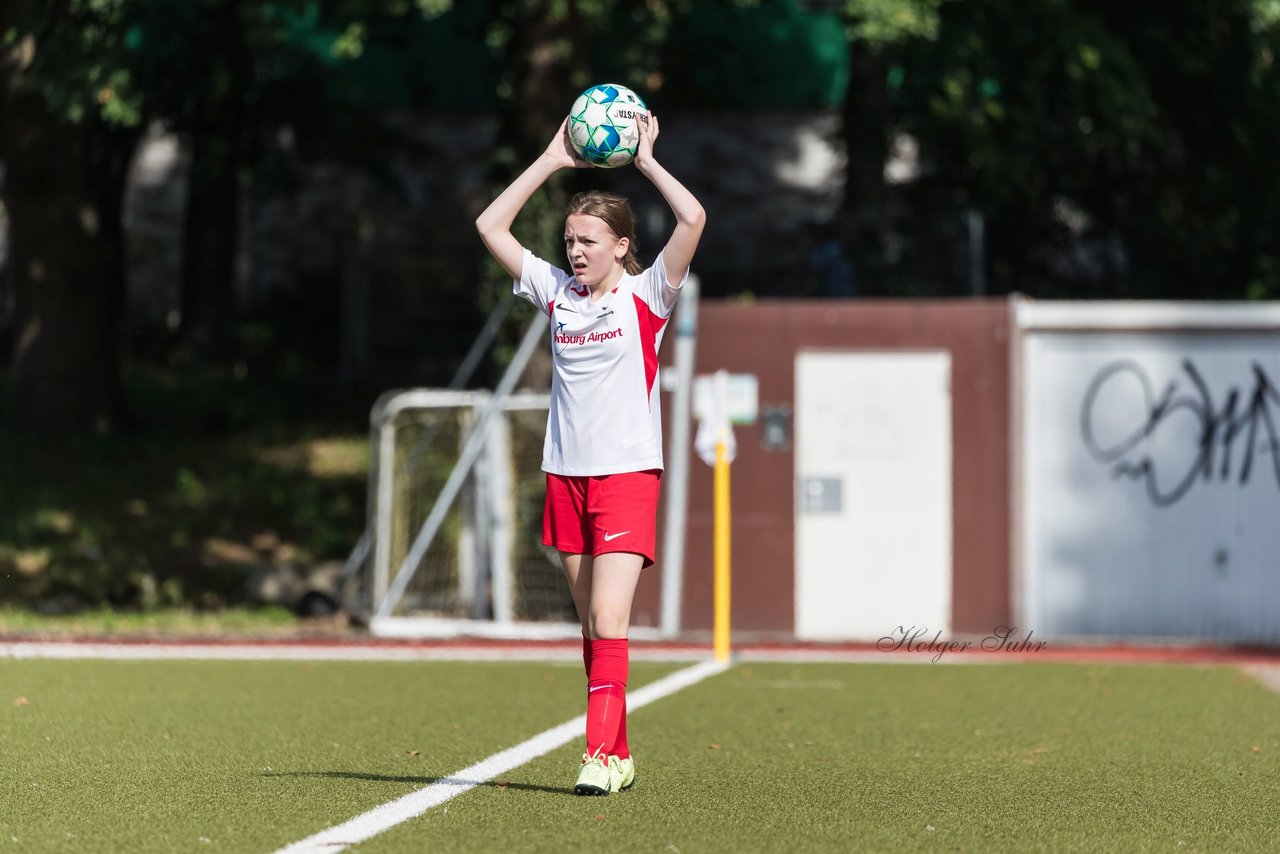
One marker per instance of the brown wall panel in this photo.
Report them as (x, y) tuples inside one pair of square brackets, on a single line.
[(763, 338)]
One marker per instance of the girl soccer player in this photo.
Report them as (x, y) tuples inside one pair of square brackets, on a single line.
[(603, 448)]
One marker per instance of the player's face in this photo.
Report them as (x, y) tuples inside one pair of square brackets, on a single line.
[(594, 251)]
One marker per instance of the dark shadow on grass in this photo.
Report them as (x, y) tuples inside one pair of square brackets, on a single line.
[(421, 781)]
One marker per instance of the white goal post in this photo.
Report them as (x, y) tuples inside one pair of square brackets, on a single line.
[(482, 571)]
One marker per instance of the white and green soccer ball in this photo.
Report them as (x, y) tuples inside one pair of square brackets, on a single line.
[(604, 125)]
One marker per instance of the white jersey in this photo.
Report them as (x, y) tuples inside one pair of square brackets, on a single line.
[(604, 416)]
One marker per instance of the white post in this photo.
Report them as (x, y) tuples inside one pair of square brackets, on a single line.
[(502, 503), (677, 475), (469, 534), (382, 518)]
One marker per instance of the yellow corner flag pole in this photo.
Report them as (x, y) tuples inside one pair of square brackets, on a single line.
[(721, 551)]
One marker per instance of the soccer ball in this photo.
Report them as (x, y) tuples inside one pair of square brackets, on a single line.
[(604, 125)]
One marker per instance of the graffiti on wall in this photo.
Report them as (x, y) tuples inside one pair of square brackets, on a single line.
[(1233, 431)]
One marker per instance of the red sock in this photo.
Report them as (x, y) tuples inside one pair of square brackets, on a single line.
[(620, 747), (606, 694)]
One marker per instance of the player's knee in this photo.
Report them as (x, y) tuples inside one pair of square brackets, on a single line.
[(608, 623)]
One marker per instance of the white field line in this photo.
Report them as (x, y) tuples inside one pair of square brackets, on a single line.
[(387, 816), (1267, 674)]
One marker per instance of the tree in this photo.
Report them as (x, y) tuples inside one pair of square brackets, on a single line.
[(79, 79), (234, 77), (875, 29), (216, 117), (68, 129), (1112, 151)]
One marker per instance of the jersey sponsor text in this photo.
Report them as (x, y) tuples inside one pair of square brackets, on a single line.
[(562, 338)]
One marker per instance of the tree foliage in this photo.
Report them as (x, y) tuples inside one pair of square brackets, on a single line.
[(725, 57), (885, 23), (76, 55), (1114, 152), (1110, 150), (68, 127), (80, 79)]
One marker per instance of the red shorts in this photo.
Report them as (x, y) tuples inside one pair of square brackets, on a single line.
[(602, 513)]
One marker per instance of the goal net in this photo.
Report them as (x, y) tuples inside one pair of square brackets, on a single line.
[(484, 569)]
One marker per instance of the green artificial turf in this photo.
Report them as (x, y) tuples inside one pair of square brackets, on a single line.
[(136, 756), (247, 756), (900, 758)]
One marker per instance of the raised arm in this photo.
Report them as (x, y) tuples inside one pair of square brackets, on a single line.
[(494, 224), (690, 217)]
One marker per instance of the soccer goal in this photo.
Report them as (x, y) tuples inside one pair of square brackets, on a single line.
[(482, 570)]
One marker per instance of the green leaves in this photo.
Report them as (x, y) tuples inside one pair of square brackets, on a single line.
[(730, 56), (886, 22), (1152, 129), (350, 45), (1264, 14), (75, 55)]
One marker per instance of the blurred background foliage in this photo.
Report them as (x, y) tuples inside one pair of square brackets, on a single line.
[(1107, 150)]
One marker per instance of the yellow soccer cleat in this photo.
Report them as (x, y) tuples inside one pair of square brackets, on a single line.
[(622, 773), (594, 777)]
